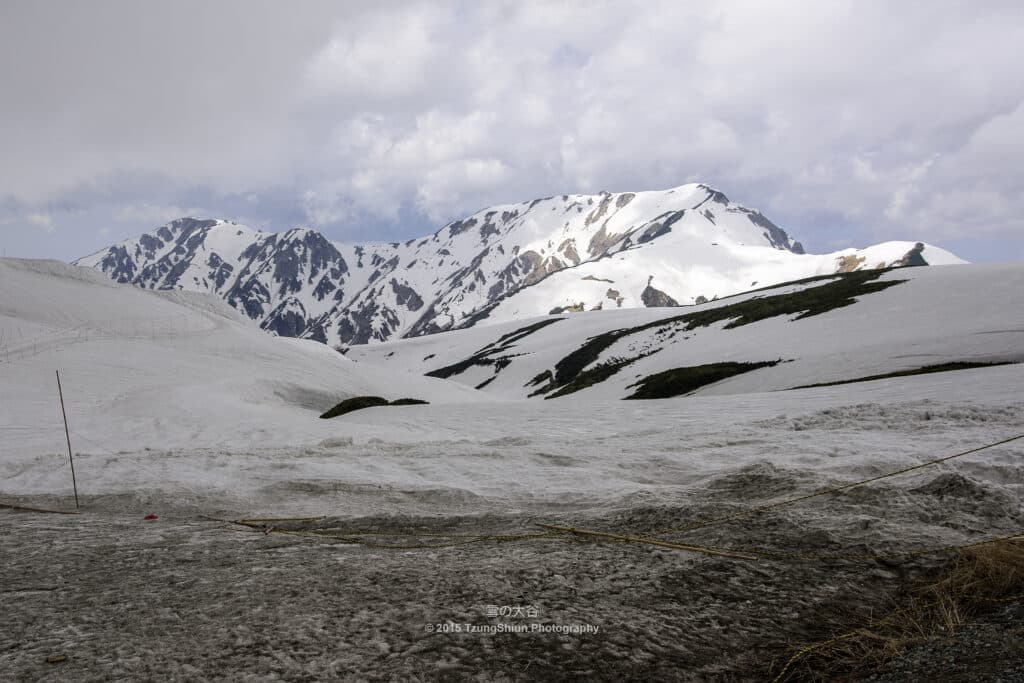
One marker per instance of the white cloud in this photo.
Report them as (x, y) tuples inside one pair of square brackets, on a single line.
[(149, 215), (894, 117), (380, 58), (456, 184), (43, 221)]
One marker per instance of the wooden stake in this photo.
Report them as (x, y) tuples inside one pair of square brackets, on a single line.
[(67, 435)]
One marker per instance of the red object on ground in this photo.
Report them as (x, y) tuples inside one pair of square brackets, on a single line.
[(147, 517)]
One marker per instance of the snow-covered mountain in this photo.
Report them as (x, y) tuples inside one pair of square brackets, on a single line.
[(568, 253)]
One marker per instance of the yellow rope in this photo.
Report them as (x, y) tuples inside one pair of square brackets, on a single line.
[(266, 525), (264, 520), (648, 541), (353, 537), (849, 634), (866, 556), (835, 489), (743, 553), (23, 508), (357, 536)]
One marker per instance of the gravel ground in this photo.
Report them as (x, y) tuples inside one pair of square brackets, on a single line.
[(989, 648), (112, 596)]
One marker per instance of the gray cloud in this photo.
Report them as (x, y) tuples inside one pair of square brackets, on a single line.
[(847, 122)]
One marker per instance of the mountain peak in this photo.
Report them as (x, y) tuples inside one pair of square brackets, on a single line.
[(564, 252)]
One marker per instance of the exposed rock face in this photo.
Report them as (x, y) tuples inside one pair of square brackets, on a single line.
[(299, 283), (406, 296), (775, 235), (574, 308), (848, 264), (913, 257), (655, 298)]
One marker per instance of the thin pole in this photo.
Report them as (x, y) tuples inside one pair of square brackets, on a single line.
[(67, 435)]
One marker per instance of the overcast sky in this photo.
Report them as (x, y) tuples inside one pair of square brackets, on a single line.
[(845, 122)]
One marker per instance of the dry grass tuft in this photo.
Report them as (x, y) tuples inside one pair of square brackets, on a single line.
[(976, 580)]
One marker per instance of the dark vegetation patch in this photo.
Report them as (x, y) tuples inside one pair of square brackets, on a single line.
[(925, 370), (359, 402), (806, 302), (596, 375), (572, 308), (499, 363), (545, 376), (932, 614), (354, 403), (506, 340), (456, 368), (485, 355), (680, 381), (541, 377)]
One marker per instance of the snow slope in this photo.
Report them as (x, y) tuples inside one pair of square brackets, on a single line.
[(175, 400), (143, 369), (506, 262), (916, 317)]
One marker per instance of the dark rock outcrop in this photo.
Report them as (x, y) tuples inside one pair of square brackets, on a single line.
[(655, 298), (913, 257)]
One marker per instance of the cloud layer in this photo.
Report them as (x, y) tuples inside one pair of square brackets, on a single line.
[(847, 122)]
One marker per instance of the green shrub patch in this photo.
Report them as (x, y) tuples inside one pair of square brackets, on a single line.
[(839, 292), (594, 375), (359, 402), (485, 356), (927, 369), (409, 402), (680, 381)]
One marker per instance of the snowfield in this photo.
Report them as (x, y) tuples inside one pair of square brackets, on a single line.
[(146, 369), (179, 407), (917, 317)]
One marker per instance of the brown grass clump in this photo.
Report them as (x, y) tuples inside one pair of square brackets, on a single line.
[(978, 579)]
